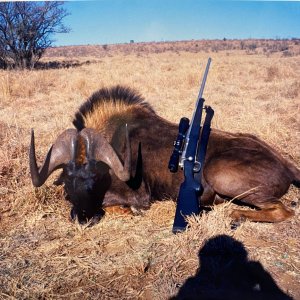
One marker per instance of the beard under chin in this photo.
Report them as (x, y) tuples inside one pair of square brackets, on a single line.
[(86, 218)]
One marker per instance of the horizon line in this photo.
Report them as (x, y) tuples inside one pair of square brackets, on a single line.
[(176, 41)]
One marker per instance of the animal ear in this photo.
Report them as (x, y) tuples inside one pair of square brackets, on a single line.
[(136, 181), (60, 179)]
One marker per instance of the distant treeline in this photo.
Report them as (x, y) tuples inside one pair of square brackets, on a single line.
[(288, 47)]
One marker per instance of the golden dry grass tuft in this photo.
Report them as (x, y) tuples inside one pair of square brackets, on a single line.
[(45, 256)]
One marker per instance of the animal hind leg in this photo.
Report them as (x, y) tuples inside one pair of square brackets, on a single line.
[(209, 196), (271, 211)]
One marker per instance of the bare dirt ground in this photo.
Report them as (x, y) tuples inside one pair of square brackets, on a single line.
[(253, 86)]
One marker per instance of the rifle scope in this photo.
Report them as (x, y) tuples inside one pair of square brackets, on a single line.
[(174, 159)]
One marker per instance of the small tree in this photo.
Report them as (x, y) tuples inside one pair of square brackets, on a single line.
[(26, 29)]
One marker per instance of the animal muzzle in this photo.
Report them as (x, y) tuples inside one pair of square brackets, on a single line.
[(84, 216), (65, 150)]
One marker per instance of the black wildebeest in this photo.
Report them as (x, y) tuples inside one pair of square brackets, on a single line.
[(99, 156)]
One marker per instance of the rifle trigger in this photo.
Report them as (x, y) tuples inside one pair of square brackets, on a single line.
[(197, 167)]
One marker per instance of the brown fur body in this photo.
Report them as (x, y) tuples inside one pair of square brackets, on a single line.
[(237, 165)]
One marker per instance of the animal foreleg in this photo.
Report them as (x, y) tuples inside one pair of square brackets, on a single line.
[(118, 210)]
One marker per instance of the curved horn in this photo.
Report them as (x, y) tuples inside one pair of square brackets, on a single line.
[(98, 148), (60, 153)]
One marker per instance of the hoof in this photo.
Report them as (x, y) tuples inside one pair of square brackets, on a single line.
[(294, 204), (234, 225), (237, 223)]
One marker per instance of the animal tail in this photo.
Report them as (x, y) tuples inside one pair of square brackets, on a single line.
[(296, 174), (296, 182)]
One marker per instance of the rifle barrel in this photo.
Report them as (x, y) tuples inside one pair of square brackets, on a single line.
[(203, 81), (201, 89), (183, 156)]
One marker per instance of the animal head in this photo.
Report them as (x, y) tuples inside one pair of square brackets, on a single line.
[(94, 175), (88, 161)]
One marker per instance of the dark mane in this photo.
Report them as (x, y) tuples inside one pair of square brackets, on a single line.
[(117, 95)]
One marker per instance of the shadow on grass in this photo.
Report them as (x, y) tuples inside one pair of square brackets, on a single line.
[(225, 273)]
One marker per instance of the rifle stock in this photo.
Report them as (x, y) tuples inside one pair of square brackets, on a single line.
[(187, 202)]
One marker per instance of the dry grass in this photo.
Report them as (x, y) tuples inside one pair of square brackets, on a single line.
[(45, 256)]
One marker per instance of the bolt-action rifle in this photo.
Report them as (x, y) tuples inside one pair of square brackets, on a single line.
[(190, 149)]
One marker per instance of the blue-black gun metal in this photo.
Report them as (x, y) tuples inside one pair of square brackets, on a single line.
[(189, 153)]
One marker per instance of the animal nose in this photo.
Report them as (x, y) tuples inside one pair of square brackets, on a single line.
[(80, 215)]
